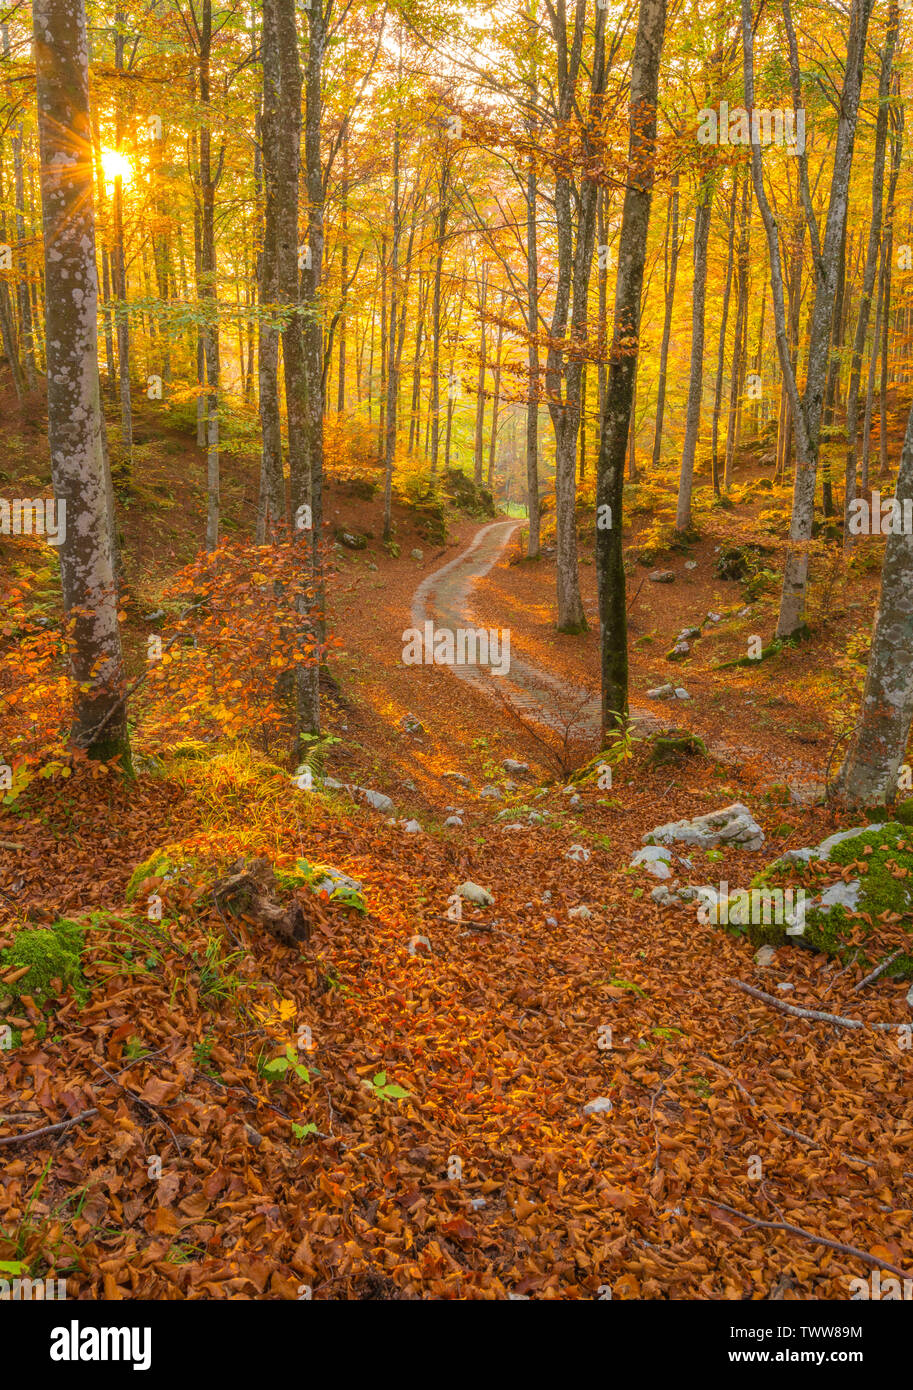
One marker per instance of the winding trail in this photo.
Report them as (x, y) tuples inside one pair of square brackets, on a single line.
[(536, 694), (443, 598)]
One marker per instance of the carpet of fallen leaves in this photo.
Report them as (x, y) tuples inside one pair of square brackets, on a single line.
[(182, 1176)]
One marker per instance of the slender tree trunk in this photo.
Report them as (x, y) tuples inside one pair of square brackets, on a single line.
[(532, 327), (696, 373), (807, 410), (741, 333), (119, 256), (869, 773), (272, 508), (619, 391), (869, 272), (479, 443), (674, 246), (721, 352)]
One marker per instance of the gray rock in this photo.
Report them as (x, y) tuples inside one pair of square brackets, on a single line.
[(803, 856), (662, 692), (910, 996), (681, 693), (492, 794), (764, 956), (417, 554), (575, 800), (579, 853), (581, 913), (733, 825), (664, 897), (474, 894), (551, 921), (688, 633), (656, 859), (536, 818), (679, 651), (378, 800), (517, 769), (412, 827), (840, 894), (460, 779), (510, 786), (453, 821), (602, 1105), (714, 617), (691, 564), (661, 576), (335, 882)]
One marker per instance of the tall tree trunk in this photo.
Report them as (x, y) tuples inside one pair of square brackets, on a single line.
[(868, 776), (671, 268), (721, 352), (575, 217), (443, 211), (870, 270), (696, 372), (479, 444), (313, 332), (613, 625), (532, 328), (75, 422), (272, 508), (119, 254), (807, 410), (495, 402), (741, 333)]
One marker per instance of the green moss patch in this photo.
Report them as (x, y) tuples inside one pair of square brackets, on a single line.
[(50, 953), (881, 882), (323, 878)]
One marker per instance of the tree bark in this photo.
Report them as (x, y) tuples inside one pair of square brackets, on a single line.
[(696, 370), (869, 774), (625, 346), (671, 267), (75, 421)]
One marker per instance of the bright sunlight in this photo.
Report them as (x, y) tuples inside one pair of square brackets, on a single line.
[(116, 166)]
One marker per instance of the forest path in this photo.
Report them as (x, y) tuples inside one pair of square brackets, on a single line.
[(535, 694), (443, 598)]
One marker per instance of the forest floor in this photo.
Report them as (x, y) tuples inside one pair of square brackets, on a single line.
[(742, 1146)]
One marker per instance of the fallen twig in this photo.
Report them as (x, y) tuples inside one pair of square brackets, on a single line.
[(796, 1012), (879, 969), (49, 1129), (809, 1235)]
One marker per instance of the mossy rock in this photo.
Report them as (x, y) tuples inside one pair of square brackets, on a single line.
[(673, 749), (323, 878), (830, 926), (51, 953)]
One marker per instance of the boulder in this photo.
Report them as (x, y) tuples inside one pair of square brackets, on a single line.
[(733, 825), (661, 576), (473, 893), (656, 859)]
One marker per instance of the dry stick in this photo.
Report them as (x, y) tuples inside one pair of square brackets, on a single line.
[(784, 1129), (796, 1012), (808, 1235), (888, 960), (49, 1129), (146, 1105)]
